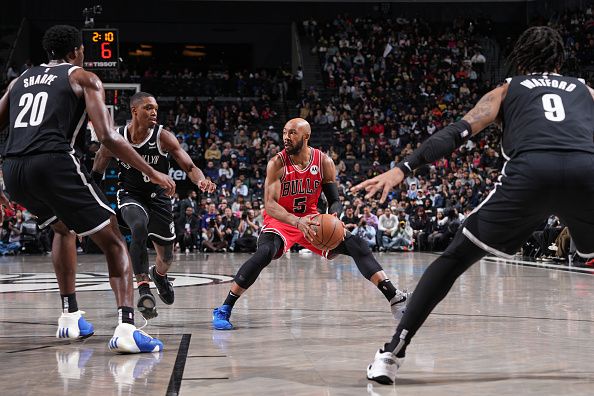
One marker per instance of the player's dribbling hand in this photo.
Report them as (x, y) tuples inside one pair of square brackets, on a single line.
[(305, 223), (384, 182), (207, 186), (164, 181)]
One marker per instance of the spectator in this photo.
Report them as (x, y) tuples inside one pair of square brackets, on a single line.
[(248, 230), (349, 219), (214, 237), (370, 219), (226, 171), (366, 232), (211, 171), (387, 225), (187, 228), (230, 227), (189, 201), (239, 189)]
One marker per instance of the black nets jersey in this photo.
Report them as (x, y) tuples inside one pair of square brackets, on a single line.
[(131, 179), (547, 112), (46, 116)]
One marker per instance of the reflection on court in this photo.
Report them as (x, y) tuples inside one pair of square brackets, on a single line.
[(307, 327)]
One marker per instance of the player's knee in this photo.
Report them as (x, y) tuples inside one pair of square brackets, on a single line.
[(61, 229), (139, 232), (356, 246), (267, 252)]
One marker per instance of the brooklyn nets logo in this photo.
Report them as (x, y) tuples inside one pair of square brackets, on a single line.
[(31, 282)]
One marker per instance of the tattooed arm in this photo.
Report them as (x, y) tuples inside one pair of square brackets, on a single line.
[(486, 111)]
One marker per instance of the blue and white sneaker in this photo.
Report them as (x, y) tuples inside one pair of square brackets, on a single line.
[(128, 339), (72, 325), (220, 318)]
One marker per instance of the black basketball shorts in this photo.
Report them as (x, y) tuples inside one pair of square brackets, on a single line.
[(533, 186), (157, 207), (56, 186)]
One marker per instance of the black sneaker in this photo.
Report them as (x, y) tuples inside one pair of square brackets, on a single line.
[(147, 306), (164, 287)]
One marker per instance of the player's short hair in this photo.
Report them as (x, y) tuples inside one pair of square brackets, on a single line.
[(59, 40), (539, 49), (138, 97)]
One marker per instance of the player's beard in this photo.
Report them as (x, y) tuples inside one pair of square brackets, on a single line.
[(296, 149)]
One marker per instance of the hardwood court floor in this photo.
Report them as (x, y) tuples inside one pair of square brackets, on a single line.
[(307, 327)]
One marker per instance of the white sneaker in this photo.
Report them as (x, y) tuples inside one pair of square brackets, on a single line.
[(384, 367), (127, 370), (71, 363), (128, 339), (73, 325), (398, 303)]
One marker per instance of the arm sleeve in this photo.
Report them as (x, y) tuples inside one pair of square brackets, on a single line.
[(330, 190), (442, 143)]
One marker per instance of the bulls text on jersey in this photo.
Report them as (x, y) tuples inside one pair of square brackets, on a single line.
[(299, 187)]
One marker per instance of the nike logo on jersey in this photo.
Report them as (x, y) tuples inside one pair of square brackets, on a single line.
[(153, 144)]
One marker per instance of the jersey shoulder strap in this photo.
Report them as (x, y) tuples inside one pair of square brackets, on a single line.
[(157, 133)]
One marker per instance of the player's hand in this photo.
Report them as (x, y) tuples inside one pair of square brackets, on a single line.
[(164, 181), (305, 223), (384, 182), (207, 186)]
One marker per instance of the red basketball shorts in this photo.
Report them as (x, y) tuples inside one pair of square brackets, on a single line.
[(290, 236)]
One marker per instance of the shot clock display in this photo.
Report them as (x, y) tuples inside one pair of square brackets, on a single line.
[(101, 48)]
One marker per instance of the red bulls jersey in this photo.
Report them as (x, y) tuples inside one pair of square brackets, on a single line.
[(300, 189)]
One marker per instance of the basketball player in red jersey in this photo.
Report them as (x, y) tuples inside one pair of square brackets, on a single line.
[(295, 177)]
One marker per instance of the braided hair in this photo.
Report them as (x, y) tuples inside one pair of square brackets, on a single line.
[(59, 40), (539, 49)]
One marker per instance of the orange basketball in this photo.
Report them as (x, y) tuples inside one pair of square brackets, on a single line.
[(330, 232)]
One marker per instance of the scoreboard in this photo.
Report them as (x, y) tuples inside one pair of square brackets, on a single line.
[(101, 48)]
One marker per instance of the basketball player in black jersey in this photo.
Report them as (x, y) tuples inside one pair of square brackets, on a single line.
[(144, 206), (46, 111), (548, 131)]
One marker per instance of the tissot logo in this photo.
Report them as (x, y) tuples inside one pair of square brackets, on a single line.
[(91, 281)]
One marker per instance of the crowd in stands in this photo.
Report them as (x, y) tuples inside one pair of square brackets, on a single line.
[(263, 84), (390, 84)]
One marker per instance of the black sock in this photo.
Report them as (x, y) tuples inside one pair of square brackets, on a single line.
[(69, 303), (231, 299), (126, 315), (387, 289), (144, 288)]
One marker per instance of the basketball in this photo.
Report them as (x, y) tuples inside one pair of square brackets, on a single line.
[(330, 232)]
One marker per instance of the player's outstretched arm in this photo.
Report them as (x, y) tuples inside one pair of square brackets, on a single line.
[(92, 90), (442, 143), (272, 188), (170, 145)]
